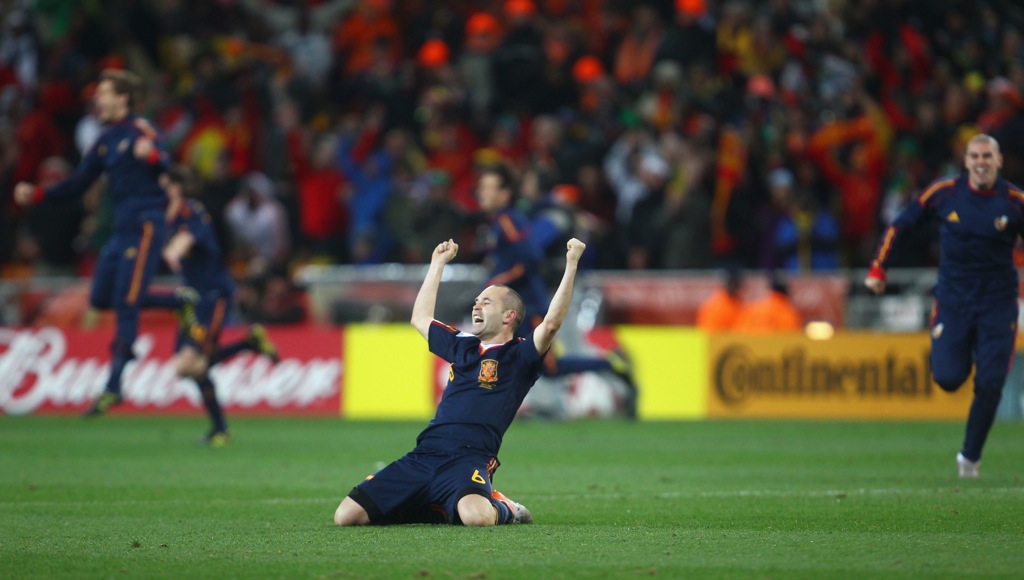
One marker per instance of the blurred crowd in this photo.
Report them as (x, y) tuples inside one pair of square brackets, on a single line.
[(667, 134)]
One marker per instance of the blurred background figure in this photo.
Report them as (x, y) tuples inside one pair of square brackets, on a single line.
[(721, 311), (323, 205), (770, 313), (258, 225)]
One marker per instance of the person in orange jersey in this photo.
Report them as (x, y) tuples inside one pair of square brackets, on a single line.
[(720, 311), (771, 313)]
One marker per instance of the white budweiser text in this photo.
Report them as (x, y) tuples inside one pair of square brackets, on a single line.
[(35, 370)]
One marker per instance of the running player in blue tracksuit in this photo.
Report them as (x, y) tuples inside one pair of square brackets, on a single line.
[(974, 319), (128, 152), (193, 252), (447, 477), (516, 260)]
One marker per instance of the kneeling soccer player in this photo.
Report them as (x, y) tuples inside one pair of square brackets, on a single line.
[(447, 477)]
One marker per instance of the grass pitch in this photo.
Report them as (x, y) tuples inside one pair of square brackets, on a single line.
[(137, 497)]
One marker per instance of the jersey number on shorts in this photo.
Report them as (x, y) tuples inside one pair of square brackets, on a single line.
[(478, 478)]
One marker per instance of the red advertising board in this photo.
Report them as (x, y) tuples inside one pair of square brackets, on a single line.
[(55, 370)]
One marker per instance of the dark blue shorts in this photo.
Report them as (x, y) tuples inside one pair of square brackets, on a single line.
[(424, 486), (126, 265)]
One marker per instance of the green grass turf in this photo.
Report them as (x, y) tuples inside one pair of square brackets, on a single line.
[(137, 497)]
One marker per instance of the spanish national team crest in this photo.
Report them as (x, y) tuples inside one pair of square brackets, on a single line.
[(488, 373), (1001, 223)]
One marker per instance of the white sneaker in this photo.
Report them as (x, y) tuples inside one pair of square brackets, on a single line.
[(966, 468)]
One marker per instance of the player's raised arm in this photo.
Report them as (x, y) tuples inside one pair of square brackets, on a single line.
[(545, 333), (88, 170), (423, 308)]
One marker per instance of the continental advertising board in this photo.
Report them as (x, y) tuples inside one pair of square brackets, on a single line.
[(852, 375)]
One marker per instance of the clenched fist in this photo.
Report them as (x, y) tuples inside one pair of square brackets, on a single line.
[(574, 249), (446, 251), (24, 193)]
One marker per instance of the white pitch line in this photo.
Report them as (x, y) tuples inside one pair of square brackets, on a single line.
[(180, 500), (842, 492), (740, 493), (737, 493)]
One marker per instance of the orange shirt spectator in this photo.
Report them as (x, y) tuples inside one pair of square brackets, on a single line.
[(769, 314), (721, 310), (355, 36), (859, 181), (635, 55)]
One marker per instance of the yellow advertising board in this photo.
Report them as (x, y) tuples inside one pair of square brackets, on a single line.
[(388, 373), (852, 375), (669, 365)]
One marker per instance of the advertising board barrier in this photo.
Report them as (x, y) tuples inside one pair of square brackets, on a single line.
[(852, 375), (56, 370), (386, 372)]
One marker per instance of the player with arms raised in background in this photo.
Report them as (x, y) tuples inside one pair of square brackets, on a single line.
[(128, 151)]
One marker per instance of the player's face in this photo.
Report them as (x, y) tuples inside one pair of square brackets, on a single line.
[(983, 162), (109, 105), (488, 313), (489, 193)]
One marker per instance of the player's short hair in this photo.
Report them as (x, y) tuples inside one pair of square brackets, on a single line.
[(182, 175), (985, 138), (514, 302), (506, 179), (125, 83)]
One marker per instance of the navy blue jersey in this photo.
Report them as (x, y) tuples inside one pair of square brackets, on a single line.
[(132, 182), (517, 260), (486, 386), (978, 230), (203, 266)]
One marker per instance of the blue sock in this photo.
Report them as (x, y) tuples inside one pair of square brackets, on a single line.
[(121, 349), (211, 403), (505, 516), (225, 352)]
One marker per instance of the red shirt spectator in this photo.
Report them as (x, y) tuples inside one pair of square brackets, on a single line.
[(322, 210)]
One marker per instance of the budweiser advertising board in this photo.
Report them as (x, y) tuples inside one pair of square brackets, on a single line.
[(54, 370)]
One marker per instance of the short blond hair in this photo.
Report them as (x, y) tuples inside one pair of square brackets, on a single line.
[(985, 138)]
